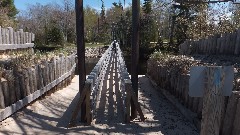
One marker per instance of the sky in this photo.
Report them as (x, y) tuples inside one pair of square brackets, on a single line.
[(22, 4)]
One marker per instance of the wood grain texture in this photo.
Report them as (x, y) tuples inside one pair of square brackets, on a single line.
[(5, 92), (2, 103), (213, 101), (236, 122)]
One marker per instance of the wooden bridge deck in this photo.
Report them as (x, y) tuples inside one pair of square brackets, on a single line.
[(52, 114)]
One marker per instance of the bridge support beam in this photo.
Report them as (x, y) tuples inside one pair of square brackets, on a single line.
[(135, 52), (81, 52)]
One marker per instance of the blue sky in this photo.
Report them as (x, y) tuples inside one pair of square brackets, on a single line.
[(22, 4)]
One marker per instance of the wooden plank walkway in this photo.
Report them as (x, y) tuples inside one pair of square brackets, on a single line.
[(52, 114)]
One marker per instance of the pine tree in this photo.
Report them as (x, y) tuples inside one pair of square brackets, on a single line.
[(102, 14), (147, 6)]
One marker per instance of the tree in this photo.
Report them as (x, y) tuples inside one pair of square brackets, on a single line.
[(39, 20), (236, 16), (90, 22), (147, 6), (148, 30), (54, 35), (10, 7), (8, 12), (103, 28)]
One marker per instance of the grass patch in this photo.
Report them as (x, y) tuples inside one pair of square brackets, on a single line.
[(94, 45)]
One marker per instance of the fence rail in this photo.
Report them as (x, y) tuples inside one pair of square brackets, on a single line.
[(10, 39)]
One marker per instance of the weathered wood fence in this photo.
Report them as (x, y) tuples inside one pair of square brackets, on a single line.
[(225, 44), (19, 87), (10, 39), (176, 83)]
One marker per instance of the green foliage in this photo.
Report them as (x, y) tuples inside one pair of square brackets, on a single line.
[(10, 7), (8, 12), (55, 36), (90, 21), (147, 6), (236, 16)]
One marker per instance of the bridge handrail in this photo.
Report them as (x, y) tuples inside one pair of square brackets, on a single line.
[(96, 76), (125, 83), (127, 92)]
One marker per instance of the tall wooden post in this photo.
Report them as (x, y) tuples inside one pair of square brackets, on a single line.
[(80, 50), (135, 51)]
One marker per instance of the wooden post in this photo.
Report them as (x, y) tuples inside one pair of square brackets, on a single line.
[(7, 36), (236, 124), (34, 76), (15, 38), (230, 114), (88, 86), (237, 43), (10, 29), (20, 76), (21, 36), (214, 43), (2, 103), (135, 51), (18, 37), (5, 92), (4, 36), (0, 35), (26, 81), (17, 85), (46, 64), (8, 74), (213, 101), (127, 101), (29, 37), (29, 71), (26, 37), (40, 76), (81, 51)]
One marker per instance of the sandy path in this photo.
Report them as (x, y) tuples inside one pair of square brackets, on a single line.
[(52, 114)]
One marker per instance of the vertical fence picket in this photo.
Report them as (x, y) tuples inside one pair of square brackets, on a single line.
[(5, 92), (1, 37), (2, 101)]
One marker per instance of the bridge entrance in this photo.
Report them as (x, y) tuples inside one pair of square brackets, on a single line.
[(85, 115), (109, 78)]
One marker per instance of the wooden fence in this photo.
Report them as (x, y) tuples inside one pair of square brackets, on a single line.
[(225, 44), (10, 39), (177, 84), (19, 87)]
